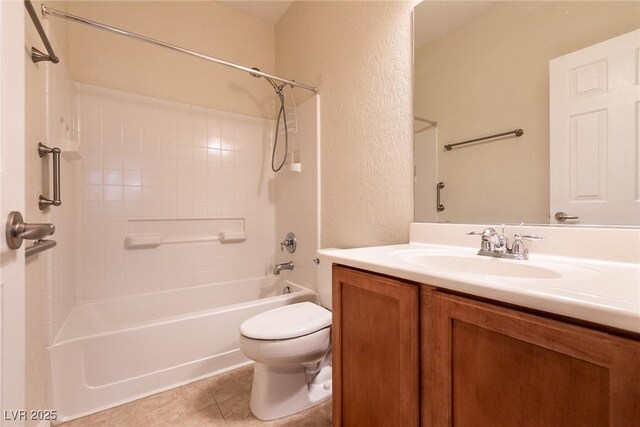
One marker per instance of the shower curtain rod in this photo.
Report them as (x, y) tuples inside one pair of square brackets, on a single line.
[(57, 13)]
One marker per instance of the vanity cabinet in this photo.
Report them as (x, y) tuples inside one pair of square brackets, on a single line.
[(375, 350), (496, 366), (478, 363)]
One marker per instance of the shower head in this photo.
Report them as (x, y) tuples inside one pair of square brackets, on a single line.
[(281, 114)]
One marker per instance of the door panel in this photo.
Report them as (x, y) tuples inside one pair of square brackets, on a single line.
[(502, 367), (12, 187), (594, 156), (375, 350)]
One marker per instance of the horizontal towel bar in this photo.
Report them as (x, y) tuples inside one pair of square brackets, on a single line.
[(516, 132)]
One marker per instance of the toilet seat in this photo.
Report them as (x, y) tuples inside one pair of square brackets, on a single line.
[(290, 321)]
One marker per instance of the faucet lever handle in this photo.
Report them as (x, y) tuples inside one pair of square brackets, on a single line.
[(487, 233), (528, 237), (486, 245)]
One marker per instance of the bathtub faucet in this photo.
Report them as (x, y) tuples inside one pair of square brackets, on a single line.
[(284, 266)]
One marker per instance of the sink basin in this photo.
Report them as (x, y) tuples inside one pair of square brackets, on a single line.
[(598, 290), (475, 264)]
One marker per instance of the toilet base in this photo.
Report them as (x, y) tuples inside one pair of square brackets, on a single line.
[(278, 392)]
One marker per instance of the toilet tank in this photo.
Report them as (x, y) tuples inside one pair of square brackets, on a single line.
[(323, 281)]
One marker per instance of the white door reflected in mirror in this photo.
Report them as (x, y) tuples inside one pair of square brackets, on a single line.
[(594, 119)]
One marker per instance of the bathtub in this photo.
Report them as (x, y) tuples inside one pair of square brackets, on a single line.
[(113, 351)]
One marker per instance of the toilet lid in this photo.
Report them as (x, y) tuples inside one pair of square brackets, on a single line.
[(290, 321)]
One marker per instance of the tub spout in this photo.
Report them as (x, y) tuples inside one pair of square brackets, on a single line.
[(284, 266)]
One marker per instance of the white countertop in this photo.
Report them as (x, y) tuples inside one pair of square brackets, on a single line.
[(599, 291)]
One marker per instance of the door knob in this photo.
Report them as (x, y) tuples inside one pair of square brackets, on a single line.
[(562, 217), (17, 230)]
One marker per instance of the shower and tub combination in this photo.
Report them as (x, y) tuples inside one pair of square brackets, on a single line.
[(178, 243), (110, 352)]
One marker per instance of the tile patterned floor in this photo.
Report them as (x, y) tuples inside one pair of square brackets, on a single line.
[(219, 401)]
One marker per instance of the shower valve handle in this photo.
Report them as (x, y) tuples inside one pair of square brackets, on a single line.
[(289, 242)]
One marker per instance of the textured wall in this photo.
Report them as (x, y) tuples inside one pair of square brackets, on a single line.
[(106, 60), (360, 56)]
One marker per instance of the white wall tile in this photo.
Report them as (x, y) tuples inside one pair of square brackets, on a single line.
[(113, 192), (92, 192), (132, 162), (132, 193), (112, 209), (151, 158), (131, 129), (112, 160), (113, 177), (92, 176), (132, 177)]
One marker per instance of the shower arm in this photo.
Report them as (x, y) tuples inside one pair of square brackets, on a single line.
[(57, 13)]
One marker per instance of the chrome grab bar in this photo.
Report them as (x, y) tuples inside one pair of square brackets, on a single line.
[(439, 206), (43, 202), (17, 230)]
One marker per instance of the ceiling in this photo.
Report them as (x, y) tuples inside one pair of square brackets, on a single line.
[(437, 18), (432, 18), (268, 10)]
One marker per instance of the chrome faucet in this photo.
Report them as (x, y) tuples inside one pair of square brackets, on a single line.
[(283, 266), (497, 245)]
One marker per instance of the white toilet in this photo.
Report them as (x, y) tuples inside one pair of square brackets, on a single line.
[(291, 347)]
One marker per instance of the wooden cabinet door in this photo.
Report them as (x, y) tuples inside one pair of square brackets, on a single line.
[(495, 366), (375, 350)]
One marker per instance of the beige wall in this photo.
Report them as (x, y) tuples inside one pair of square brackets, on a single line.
[(359, 55), (107, 60), (492, 76)]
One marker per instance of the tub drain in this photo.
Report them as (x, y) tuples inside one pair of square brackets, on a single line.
[(286, 290)]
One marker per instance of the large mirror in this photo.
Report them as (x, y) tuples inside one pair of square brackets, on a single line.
[(565, 73)]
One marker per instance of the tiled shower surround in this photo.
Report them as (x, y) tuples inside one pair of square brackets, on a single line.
[(147, 158)]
